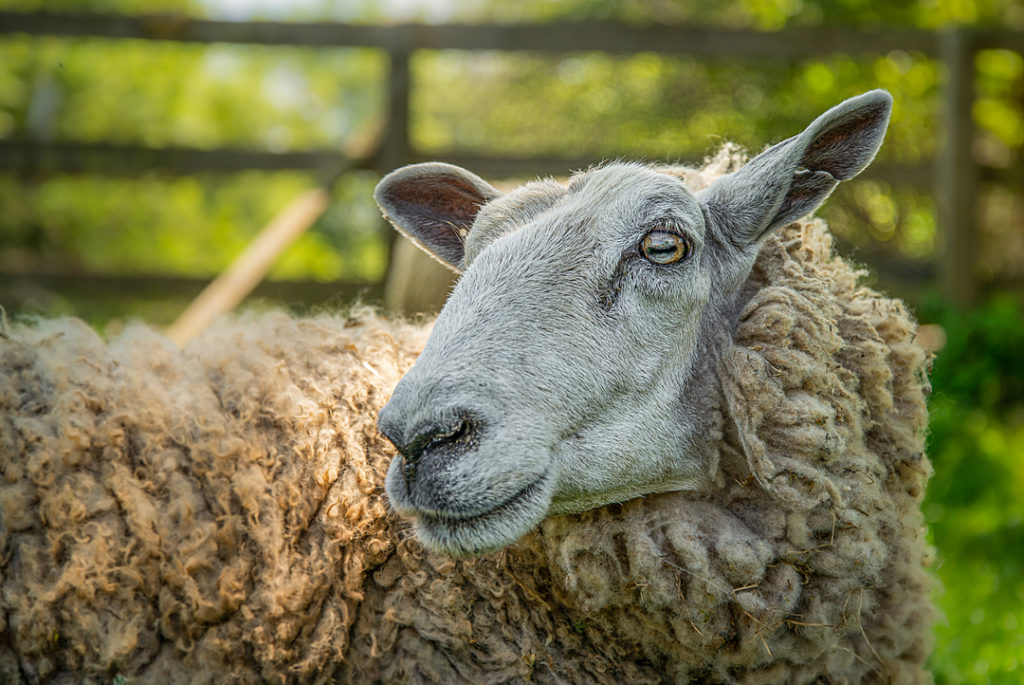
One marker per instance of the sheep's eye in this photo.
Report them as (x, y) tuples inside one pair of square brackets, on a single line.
[(663, 247)]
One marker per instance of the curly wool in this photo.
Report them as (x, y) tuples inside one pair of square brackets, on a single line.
[(808, 560), (187, 516), (218, 514)]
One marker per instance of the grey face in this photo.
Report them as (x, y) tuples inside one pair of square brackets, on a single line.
[(574, 363)]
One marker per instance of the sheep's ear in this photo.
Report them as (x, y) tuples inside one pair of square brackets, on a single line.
[(790, 179), (435, 205)]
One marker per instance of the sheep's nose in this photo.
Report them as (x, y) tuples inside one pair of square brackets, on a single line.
[(438, 441)]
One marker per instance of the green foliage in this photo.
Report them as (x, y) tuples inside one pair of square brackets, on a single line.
[(975, 504), (981, 365), (999, 108), (879, 216), (161, 93), (662, 107), (189, 226)]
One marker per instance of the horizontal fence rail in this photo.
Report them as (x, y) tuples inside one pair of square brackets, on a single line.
[(555, 37), (31, 283), (953, 176), (36, 157), (68, 157)]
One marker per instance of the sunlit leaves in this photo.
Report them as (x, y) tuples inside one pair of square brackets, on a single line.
[(999, 109), (163, 93)]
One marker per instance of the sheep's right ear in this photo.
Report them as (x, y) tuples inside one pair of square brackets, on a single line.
[(434, 204)]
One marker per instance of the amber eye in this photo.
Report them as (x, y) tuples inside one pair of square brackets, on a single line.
[(663, 247)]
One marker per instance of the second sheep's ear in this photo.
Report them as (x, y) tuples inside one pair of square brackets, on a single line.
[(791, 179), (434, 204)]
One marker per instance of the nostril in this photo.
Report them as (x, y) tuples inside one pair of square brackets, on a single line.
[(439, 439), (439, 435)]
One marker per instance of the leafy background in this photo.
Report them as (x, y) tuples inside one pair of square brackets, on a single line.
[(515, 104)]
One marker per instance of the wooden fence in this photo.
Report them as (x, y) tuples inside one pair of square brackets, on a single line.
[(953, 175)]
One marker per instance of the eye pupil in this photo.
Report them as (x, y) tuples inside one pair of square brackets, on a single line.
[(663, 247)]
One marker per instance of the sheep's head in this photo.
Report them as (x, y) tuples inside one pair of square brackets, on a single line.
[(574, 363)]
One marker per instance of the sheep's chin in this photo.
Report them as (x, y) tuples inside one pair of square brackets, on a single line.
[(576, 504), (490, 531)]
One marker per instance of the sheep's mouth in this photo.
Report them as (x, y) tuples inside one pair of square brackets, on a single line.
[(503, 524)]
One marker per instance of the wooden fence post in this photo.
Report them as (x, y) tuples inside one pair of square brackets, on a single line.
[(956, 173), (415, 283), (395, 149)]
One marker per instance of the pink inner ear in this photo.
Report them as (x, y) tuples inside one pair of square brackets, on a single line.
[(445, 197)]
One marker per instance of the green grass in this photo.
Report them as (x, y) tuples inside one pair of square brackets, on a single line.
[(975, 502)]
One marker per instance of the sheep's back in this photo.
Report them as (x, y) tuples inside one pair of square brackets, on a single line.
[(191, 515)]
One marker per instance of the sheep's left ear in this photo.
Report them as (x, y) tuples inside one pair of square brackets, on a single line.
[(434, 204), (790, 179)]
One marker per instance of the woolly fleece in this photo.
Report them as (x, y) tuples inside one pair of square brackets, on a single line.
[(217, 514)]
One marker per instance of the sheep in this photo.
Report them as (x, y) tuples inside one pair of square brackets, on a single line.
[(218, 513)]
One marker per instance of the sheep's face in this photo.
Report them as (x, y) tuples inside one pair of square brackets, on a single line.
[(551, 381), (574, 363)]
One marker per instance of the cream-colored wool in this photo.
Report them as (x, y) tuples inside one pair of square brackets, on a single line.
[(217, 514)]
